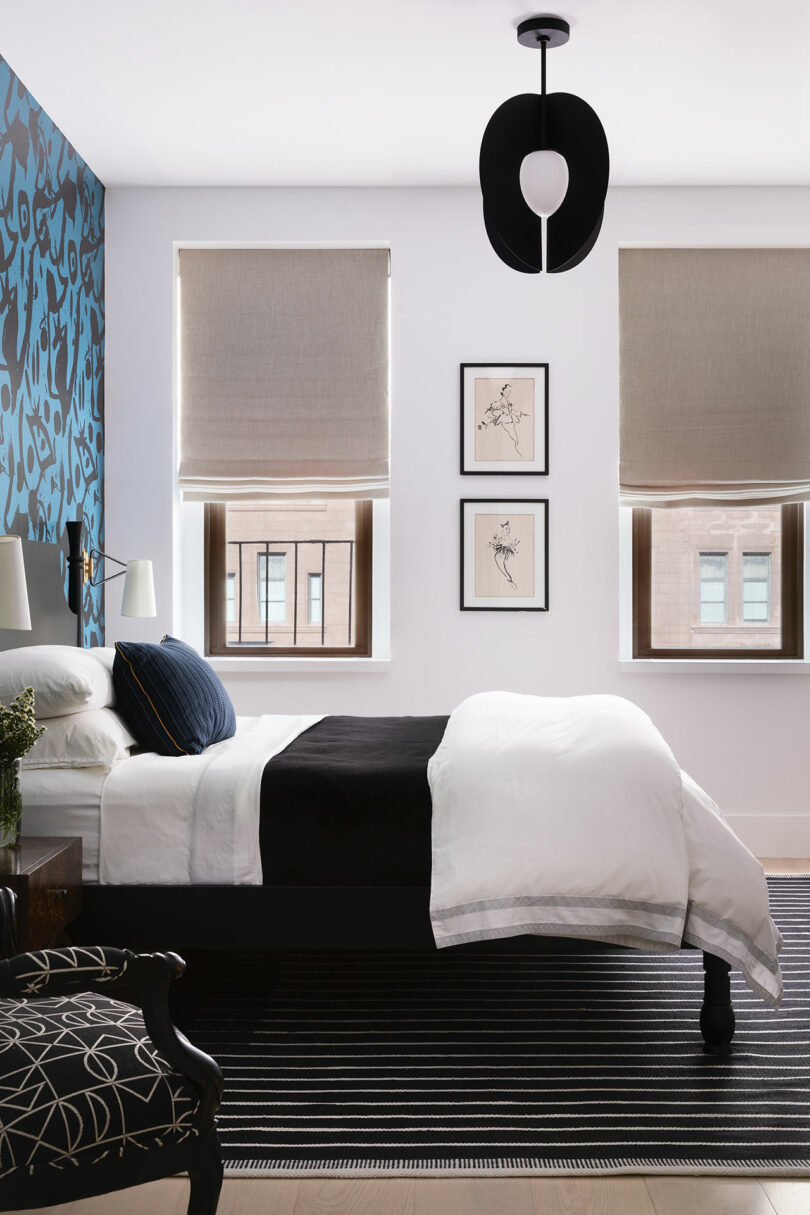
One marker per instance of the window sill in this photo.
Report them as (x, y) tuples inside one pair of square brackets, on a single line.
[(714, 666), (301, 666)]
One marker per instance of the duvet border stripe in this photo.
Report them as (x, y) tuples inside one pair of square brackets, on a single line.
[(558, 900)]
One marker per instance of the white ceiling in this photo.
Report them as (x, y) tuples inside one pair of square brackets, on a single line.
[(397, 92)]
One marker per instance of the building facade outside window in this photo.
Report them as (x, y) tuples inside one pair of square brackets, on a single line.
[(297, 574), (712, 580)]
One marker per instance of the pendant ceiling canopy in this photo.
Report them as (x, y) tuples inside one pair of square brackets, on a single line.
[(544, 122)]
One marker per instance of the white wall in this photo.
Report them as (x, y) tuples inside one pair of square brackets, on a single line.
[(742, 736)]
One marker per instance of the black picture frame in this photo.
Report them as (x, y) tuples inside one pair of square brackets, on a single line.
[(470, 466), (471, 550)]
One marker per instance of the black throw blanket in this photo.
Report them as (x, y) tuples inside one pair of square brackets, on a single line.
[(348, 804)]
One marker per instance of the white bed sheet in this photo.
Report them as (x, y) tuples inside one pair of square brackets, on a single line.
[(65, 801), (192, 819)]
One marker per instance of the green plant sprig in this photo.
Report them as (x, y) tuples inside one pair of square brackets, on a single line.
[(18, 727)]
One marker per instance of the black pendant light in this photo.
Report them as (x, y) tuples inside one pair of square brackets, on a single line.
[(554, 122)]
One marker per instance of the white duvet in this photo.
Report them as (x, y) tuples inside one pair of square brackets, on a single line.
[(571, 817)]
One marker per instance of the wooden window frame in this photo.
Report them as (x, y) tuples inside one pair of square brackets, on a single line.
[(214, 590), (792, 623)]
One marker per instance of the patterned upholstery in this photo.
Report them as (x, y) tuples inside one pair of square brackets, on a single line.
[(81, 1081), (31, 974)]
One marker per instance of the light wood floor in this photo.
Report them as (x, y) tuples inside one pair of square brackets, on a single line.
[(476, 1196), (467, 1196)]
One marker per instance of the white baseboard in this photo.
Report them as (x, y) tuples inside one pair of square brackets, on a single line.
[(768, 835)]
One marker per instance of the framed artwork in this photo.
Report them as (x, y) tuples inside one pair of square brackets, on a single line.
[(504, 555), (504, 418)]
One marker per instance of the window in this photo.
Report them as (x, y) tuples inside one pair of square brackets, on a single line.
[(284, 437), (230, 599), (315, 603), (714, 448), (756, 587), (271, 577), (310, 564), (718, 582), (713, 588)]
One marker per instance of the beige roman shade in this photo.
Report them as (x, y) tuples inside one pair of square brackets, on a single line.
[(714, 376), (284, 365)]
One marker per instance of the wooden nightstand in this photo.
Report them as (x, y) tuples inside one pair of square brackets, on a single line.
[(45, 873)]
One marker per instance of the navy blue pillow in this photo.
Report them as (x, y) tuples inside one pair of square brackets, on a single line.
[(171, 698)]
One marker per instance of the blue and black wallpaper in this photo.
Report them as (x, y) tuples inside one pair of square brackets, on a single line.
[(51, 333)]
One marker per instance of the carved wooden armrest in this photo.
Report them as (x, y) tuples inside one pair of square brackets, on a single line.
[(154, 973)]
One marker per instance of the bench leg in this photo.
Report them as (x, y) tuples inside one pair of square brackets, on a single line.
[(716, 1015), (206, 1177)]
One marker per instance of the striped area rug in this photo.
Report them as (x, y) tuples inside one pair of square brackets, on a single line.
[(511, 1063)]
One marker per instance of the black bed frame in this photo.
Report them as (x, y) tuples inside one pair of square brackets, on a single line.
[(325, 917)]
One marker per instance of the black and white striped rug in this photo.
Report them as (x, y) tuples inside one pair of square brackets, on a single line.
[(512, 1063)]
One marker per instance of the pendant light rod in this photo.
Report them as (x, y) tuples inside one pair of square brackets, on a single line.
[(543, 48)]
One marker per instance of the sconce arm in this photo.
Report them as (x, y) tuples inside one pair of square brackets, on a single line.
[(94, 555)]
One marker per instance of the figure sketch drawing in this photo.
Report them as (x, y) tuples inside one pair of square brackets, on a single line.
[(503, 412), (505, 547)]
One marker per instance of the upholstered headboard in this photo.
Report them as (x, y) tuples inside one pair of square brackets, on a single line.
[(52, 622)]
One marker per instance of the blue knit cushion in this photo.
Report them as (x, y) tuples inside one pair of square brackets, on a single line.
[(171, 698)]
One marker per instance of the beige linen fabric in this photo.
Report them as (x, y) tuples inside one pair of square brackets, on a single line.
[(714, 376), (284, 364)]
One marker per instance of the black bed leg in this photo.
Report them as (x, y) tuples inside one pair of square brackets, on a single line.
[(206, 1177), (716, 1015)]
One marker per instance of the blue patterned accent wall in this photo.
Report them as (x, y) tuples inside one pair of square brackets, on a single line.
[(51, 334)]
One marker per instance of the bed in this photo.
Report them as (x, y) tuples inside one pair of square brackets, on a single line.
[(344, 841)]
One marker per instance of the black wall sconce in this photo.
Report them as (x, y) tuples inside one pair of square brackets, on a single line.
[(83, 567), (529, 123)]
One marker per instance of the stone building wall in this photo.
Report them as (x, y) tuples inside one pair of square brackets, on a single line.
[(679, 537), (279, 526)]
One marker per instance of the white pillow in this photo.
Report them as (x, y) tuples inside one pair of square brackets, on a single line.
[(65, 679), (97, 738)]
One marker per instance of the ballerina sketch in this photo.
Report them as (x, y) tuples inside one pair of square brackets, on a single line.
[(504, 413), (505, 547)]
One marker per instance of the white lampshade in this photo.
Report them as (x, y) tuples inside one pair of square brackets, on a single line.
[(139, 590), (544, 181), (14, 613)]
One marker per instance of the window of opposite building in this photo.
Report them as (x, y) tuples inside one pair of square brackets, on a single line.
[(314, 599), (230, 598), (271, 587), (713, 588), (756, 568)]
